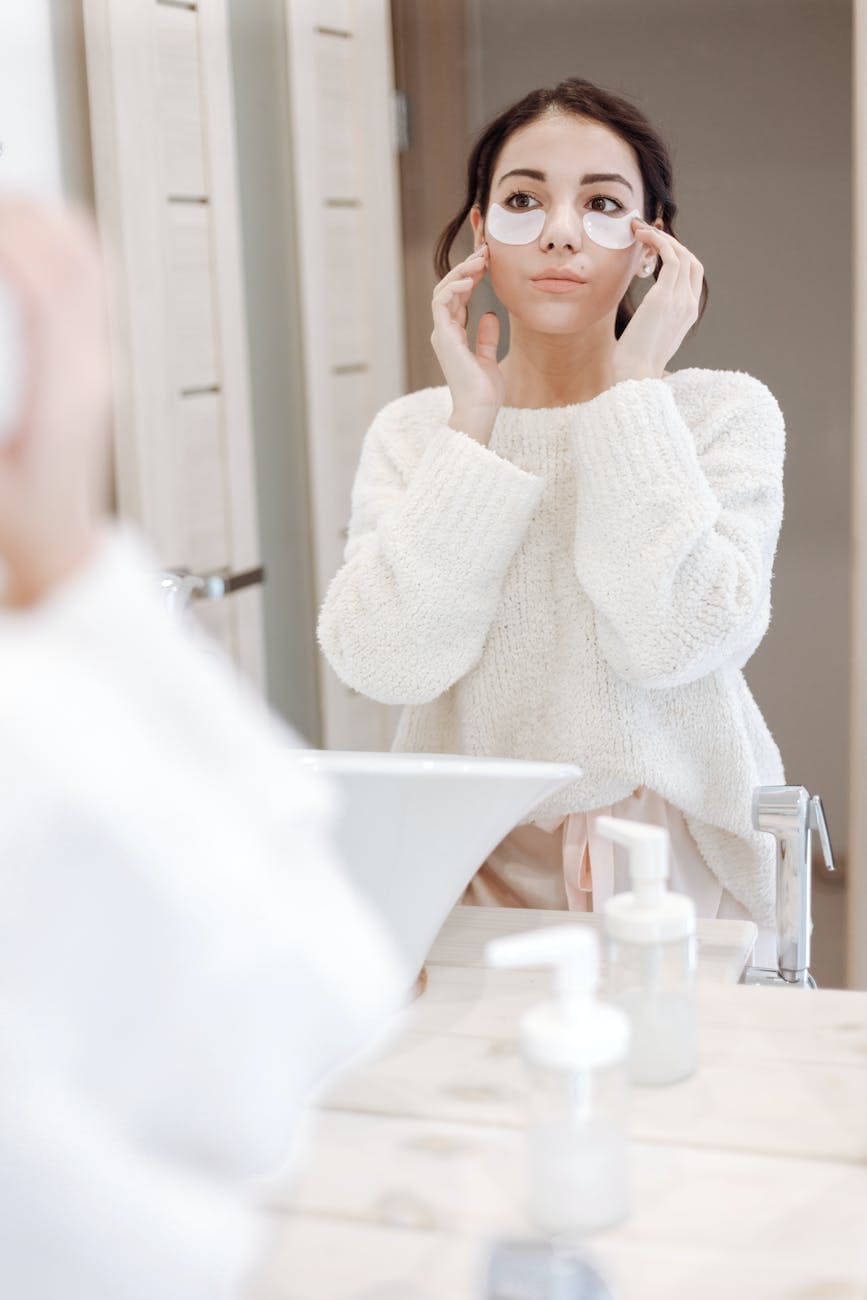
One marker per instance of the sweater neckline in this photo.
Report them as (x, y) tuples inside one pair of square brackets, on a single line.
[(572, 406)]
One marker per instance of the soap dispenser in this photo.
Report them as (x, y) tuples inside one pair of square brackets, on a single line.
[(650, 950), (576, 1049)]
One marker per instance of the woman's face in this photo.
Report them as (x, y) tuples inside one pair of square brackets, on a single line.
[(547, 166)]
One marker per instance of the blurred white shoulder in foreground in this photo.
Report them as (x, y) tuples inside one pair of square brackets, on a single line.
[(181, 957)]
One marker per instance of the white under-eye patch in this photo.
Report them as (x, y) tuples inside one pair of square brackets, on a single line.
[(611, 229), (509, 227)]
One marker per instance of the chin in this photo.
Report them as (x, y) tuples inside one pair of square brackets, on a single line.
[(552, 318), (558, 316)]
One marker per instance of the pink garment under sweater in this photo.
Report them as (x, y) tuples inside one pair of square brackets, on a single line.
[(562, 863)]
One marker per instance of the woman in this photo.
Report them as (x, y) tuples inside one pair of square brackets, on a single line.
[(181, 958), (567, 554)]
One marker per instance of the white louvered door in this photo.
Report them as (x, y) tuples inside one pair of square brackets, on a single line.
[(162, 127), (350, 272)]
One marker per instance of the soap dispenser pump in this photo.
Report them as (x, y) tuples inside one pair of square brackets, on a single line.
[(650, 956), (576, 1048)]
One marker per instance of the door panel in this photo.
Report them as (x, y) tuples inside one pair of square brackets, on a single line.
[(162, 125), (350, 273)]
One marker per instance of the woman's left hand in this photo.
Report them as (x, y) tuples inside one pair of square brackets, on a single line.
[(668, 310)]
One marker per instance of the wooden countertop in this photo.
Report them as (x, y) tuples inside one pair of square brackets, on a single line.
[(748, 1178)]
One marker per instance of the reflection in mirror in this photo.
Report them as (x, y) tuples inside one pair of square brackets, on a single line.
[(495, 587), (329, 351)]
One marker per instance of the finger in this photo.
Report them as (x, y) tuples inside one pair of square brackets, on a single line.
[(50, 257), (488, 336), (683, 253), (696, 276), (443, 315), (690, 271), (444, 291), (672, 264), (46, 245), (479, 254), (469, 265), (453, 296), (472, 265)]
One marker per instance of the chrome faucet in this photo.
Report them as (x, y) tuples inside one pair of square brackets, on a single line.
[(791, 814)]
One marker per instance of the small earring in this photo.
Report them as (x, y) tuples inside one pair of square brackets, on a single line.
[(648, 270)]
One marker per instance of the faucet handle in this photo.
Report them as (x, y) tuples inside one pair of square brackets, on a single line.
[(817, 823)]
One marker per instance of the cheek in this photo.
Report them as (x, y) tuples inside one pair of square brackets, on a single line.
[(506, 269), (613, 272)]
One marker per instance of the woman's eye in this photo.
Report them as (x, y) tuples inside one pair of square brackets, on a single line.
[(516, 206), (606, 198)]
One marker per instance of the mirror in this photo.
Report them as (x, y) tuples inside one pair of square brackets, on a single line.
[(754, 164), (723, 84), (757, 165)]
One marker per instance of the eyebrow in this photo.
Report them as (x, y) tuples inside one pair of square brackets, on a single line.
[(589, 178)]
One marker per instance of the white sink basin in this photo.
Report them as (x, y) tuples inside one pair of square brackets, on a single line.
[(415, 828)]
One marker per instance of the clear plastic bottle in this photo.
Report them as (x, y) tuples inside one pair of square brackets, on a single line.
[(576, 1050), (650, 950)]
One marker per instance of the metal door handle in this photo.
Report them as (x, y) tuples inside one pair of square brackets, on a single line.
[(180, 587), (218, 585)]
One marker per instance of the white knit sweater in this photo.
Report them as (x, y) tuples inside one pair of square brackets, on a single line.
[(586, 588)]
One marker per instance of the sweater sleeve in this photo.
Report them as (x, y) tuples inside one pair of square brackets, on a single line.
[(430, 540), (675, 548)]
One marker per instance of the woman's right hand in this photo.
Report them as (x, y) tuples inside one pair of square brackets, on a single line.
[(474, 379), (52, 469)]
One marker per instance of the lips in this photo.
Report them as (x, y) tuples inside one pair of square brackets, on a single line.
[(559, 275), (557, 280), (556, 283)]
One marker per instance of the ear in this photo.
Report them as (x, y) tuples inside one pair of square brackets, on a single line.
[(478, 225)]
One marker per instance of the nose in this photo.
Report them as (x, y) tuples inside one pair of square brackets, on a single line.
[(562, 229)]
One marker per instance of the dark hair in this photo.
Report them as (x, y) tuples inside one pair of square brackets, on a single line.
[(583, 99)]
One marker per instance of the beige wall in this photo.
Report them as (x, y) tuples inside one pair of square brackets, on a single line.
[(276, 372)]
